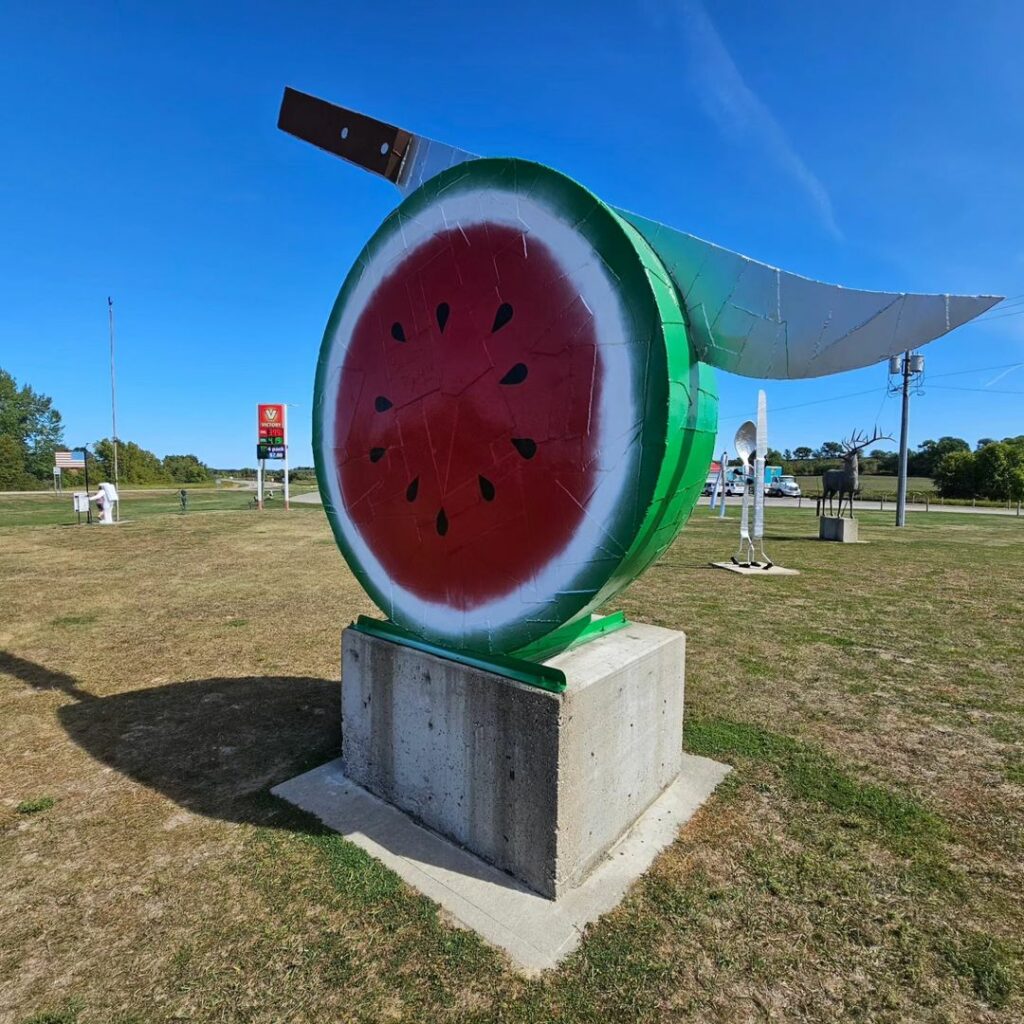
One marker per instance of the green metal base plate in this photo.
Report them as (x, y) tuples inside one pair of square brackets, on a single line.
[(525, 666)]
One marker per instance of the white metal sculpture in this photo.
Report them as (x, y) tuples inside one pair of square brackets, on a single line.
[(719, 490), (106, 499), (752, 440), (759, 461), (746, 445)]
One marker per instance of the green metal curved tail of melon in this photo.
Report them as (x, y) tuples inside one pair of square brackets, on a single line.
[(677, 463), (669, 432)]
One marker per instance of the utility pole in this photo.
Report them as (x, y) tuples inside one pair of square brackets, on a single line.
[(85, 458), (901, 486), (113, 398), (906, 366)]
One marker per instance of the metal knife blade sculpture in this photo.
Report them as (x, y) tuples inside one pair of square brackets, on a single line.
[(515, 405)]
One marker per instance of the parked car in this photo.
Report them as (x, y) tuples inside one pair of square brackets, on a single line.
[(784, 487), (733, 487)]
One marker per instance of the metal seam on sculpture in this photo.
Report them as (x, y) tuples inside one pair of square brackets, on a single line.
[(899, 320), (864, 323), (821, 334)]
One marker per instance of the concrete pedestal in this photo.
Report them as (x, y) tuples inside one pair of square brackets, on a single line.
[(539, 784), (838, 528), (573, 794)]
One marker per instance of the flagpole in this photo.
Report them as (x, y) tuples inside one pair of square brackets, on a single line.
[(113, 400)]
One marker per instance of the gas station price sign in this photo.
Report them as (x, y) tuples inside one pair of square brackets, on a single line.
[(271, 440)]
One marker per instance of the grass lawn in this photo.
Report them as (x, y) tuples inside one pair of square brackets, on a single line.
[(865, 861), (877, 486), (46, 508)]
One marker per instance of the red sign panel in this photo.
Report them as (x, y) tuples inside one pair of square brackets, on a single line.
[(271, 434)]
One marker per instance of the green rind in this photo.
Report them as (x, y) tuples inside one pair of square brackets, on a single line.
[(575, 634), (679, 399), (686, 389)]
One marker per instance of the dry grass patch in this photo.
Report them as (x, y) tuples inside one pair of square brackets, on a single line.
[(864, 862)]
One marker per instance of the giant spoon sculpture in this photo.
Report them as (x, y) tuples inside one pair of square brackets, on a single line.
[(515, 403), (746, 445), (752, 440)]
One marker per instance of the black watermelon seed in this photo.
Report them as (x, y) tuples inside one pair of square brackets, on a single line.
[(397, 331), (526, 446), (412, 489), (502, 317), (516, 375), (382, 404), (376, 454), (486, 489), (442, 315), (442, 523)]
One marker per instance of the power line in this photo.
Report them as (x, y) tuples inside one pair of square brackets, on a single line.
[(985, 391), (978, 369), (881, 404), (999, 316), (801, 405), (871, 391)]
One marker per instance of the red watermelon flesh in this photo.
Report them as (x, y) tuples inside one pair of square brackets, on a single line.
[(464, 434)]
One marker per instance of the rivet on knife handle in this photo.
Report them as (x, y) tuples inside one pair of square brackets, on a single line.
[(373, 145)]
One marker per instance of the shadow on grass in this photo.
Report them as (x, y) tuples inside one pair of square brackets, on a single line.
[(213, 746), (217, 746)]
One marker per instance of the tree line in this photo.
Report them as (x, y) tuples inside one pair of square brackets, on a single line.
[(992, 469), (32, 431), (921, 461)]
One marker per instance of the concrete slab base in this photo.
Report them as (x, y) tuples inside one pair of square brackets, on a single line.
[(841, 529), (535, 932), (538, 784), (756, 570)]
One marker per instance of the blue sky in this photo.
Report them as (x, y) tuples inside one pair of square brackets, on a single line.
[(876, 145)]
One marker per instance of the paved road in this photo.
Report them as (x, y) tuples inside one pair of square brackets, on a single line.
[(862, 505), (313, 498)]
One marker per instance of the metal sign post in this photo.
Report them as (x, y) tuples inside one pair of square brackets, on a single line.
[(113, 407), (284, 424), (722, 481)]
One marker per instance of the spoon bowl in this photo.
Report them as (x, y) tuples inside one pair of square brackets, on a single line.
[(746, 442)]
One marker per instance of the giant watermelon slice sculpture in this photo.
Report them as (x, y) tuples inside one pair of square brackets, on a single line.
[(515, 408)]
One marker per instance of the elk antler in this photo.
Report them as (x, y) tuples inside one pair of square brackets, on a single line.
[(858, 441)]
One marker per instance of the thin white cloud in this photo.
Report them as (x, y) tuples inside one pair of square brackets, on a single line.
[(999, 376), (739, 112)]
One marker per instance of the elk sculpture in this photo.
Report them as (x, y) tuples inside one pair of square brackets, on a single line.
[(845, 482)]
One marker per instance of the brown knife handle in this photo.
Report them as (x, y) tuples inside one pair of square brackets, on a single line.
[(371, 144)]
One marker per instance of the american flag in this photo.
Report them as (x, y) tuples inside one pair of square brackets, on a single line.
[(69, 460)]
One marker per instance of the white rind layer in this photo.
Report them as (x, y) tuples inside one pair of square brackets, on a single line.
[(618, 410)]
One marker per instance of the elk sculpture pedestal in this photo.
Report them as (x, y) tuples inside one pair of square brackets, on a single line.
[(839, 529)]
